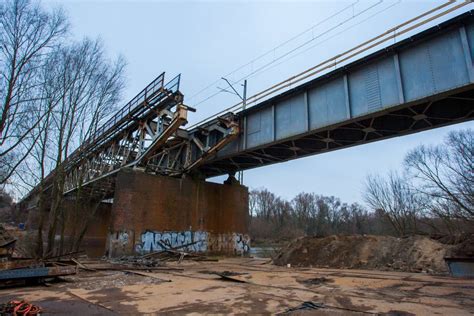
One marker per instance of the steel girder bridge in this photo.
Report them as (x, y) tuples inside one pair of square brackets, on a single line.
[(423, 82)]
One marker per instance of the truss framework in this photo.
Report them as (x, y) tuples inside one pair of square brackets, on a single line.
[(147, 136)]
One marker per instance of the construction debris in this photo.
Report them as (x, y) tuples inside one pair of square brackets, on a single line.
[(304, 306), (136, 262), (19, 308), (173, 254), (19, 270), (231, 276), (35, 273), (317, 281), (268, 289)]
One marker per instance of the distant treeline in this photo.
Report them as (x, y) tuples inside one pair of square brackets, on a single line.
[(433, 194)]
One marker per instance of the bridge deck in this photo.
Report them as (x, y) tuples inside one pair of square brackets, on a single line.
[(423, 82)]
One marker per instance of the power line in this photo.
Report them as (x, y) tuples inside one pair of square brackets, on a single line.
[(354, 16), (254, 74), (342, 57), (275, 48), (309, 41)]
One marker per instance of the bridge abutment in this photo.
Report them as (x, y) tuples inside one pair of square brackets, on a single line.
[(152, 212)]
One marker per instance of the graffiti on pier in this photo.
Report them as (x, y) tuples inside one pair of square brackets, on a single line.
[(191, 241), (241, 243)]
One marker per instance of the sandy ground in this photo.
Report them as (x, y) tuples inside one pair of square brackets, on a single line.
[(263, 289)]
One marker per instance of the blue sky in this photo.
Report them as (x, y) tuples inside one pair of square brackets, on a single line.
[(205, 40)]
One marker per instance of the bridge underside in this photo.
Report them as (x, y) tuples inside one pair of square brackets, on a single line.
[(430, 113)]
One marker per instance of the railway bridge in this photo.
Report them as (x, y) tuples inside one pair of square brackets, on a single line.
[(154, 168)]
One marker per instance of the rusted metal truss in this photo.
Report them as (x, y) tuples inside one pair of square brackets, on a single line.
[(147, 135), (189, 149)]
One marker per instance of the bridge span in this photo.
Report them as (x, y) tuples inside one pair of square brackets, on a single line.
[(153, 167), (423, 82)]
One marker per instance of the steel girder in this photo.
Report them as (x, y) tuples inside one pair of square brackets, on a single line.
[(189, 149), (147, 136)]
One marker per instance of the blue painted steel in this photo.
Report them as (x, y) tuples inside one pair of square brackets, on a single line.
[(435, 66), (23, 273), (35, 272), (470, 38), (463, 268), (327, 104), (260, 127), (374, 87), (290, 117), (439, 63)]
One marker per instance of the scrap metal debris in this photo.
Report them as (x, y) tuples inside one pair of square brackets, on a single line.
[(19, 270), (19, 308), (174, 254), (228, 275), (304, 306), (317, 281), (132, 261), (41, 272)]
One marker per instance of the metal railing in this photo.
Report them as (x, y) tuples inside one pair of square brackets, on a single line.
[(151, 94), (149, 90)]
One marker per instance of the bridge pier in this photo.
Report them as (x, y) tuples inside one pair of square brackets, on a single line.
[(152, 212)]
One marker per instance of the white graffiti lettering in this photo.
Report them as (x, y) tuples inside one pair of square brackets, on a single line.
[(193, 241), (185, 241)]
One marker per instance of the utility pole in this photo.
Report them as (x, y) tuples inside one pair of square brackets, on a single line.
[(243, 97)]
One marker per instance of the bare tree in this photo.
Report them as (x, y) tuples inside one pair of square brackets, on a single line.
[(445, 174), (395, 197), (263, 202), (304, 208), (54, 96), (354, 219), (27, 35), (318, 214), (33, 171), (80, 88), (89, 87), (307, 214)]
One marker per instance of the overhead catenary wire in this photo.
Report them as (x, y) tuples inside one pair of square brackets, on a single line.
[(254, 74), (392, 32), (275, 48), (311, 40), (337, 61), (354, 15)]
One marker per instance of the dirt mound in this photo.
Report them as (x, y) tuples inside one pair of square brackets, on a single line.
[(5, 235), (411, 254)]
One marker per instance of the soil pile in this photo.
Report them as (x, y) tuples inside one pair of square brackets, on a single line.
[(5, 236), (410, 254)]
